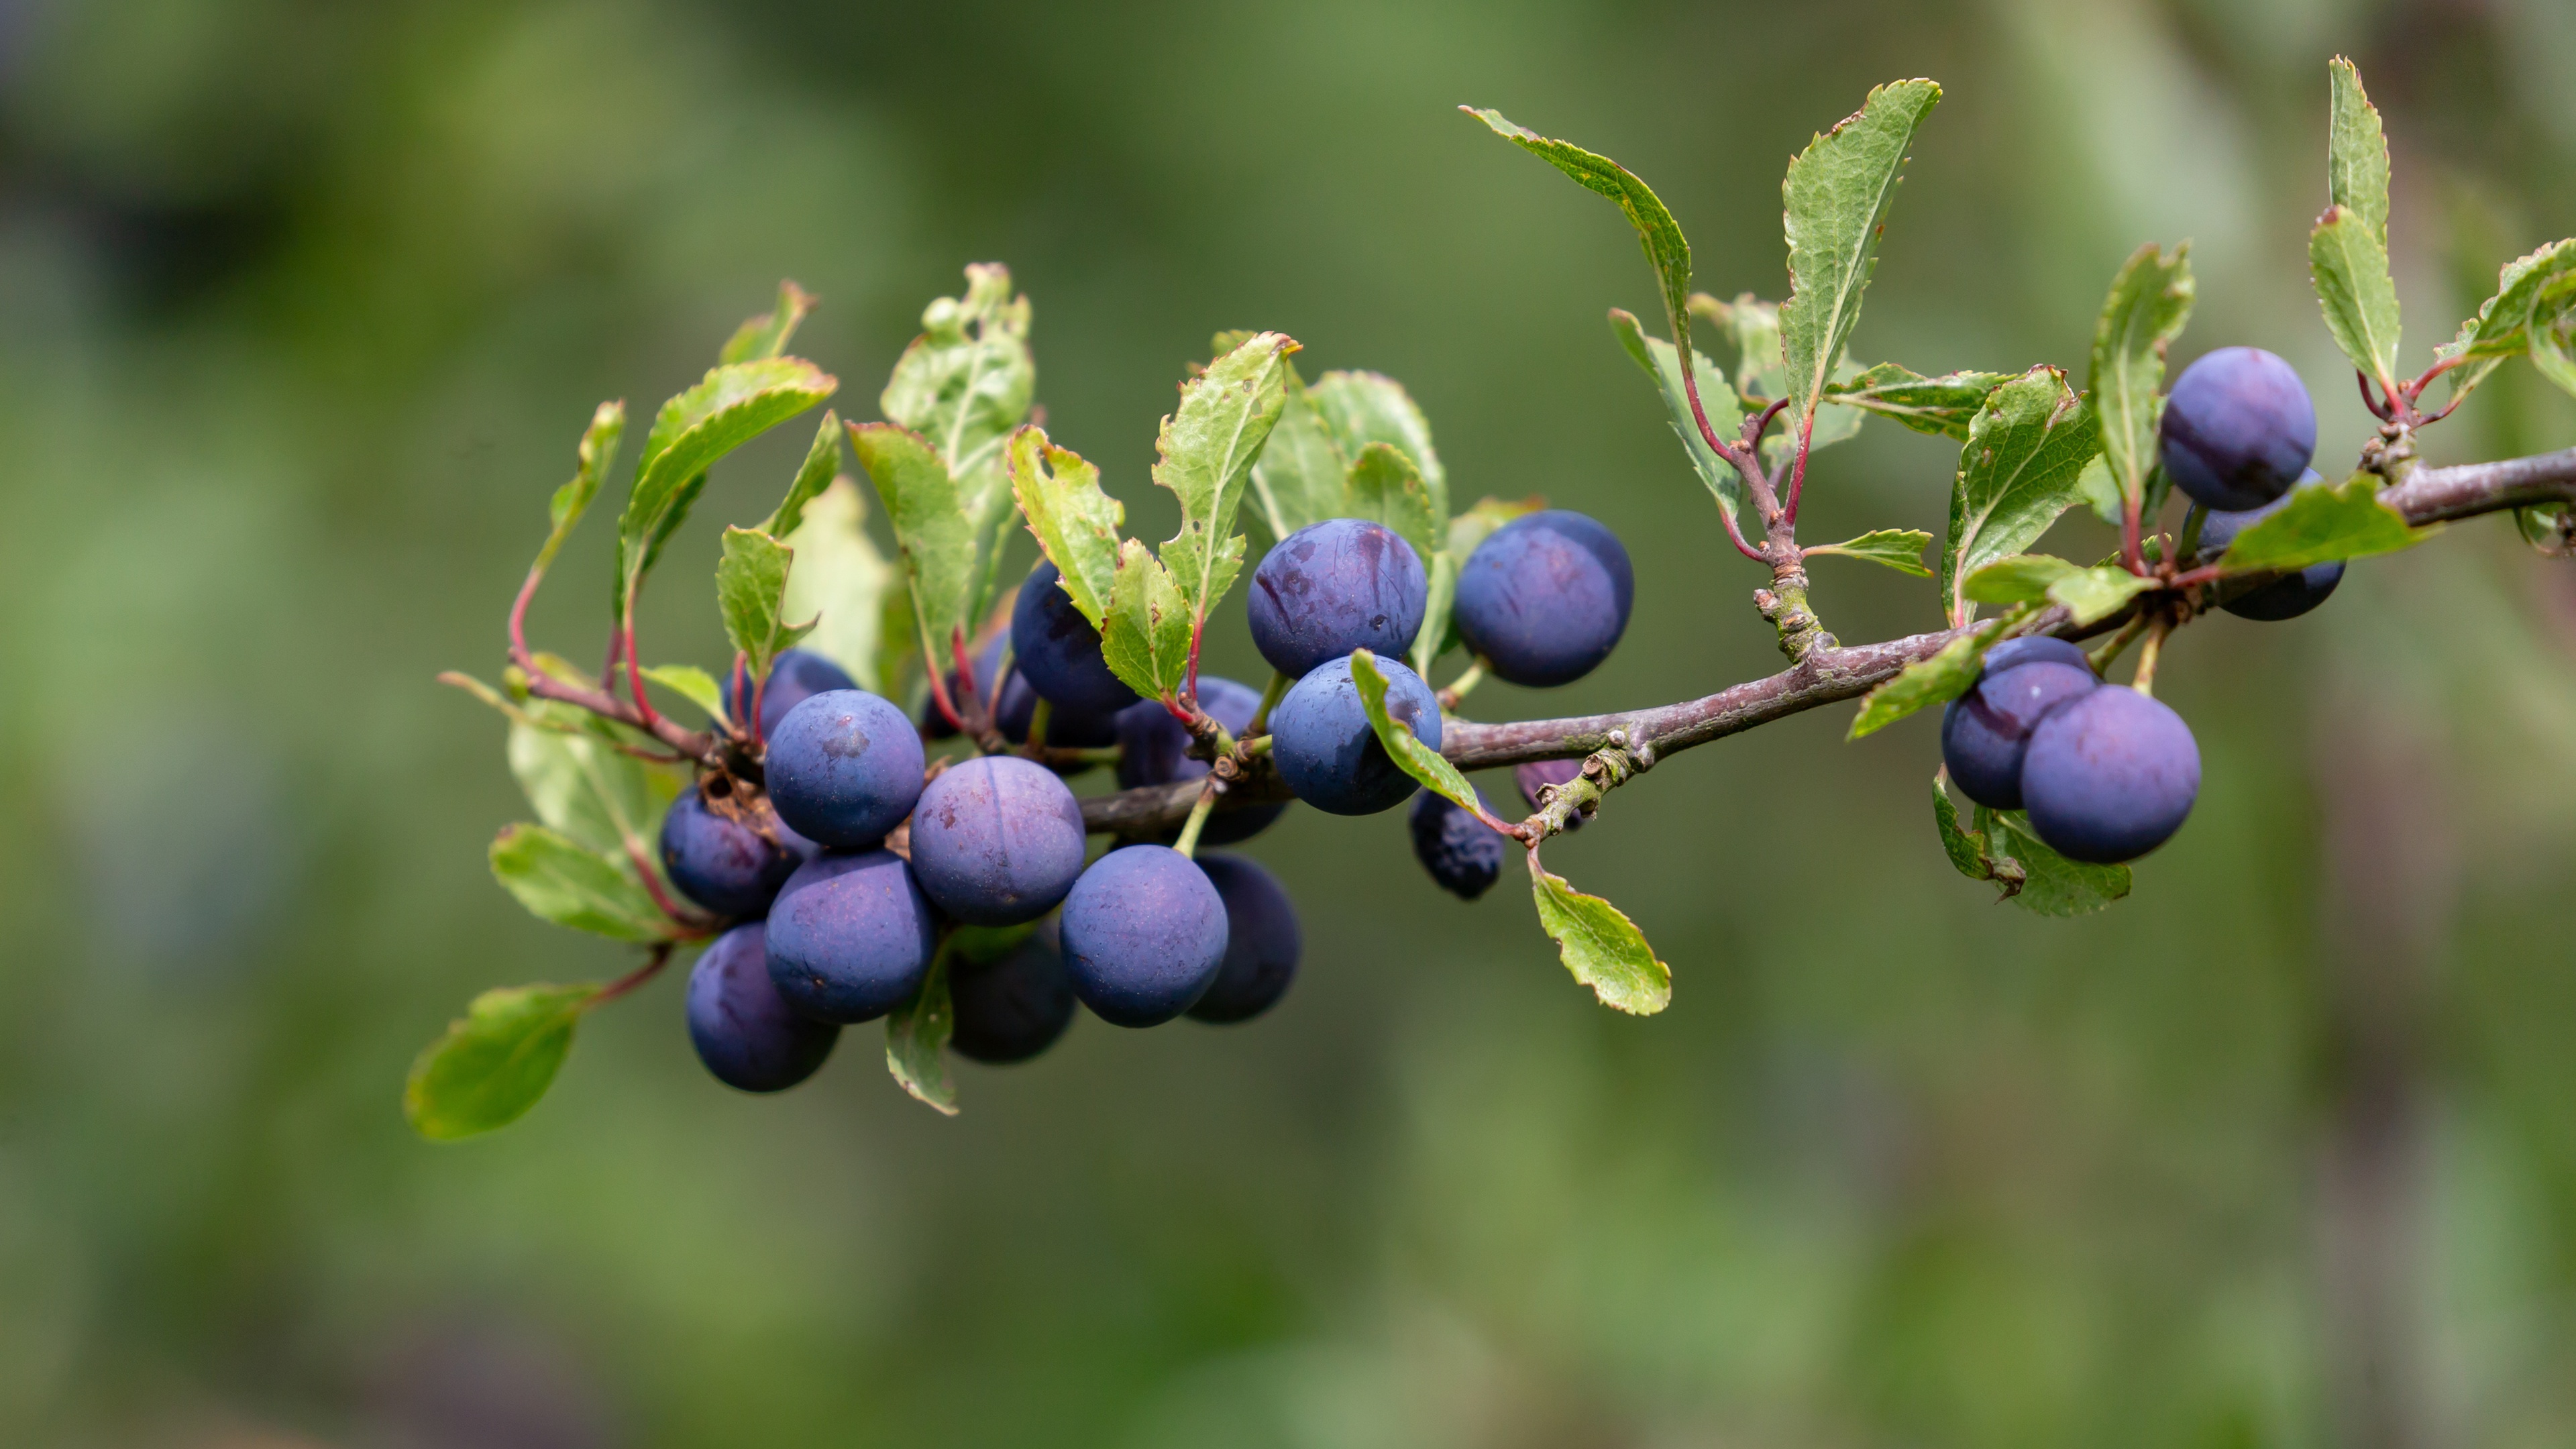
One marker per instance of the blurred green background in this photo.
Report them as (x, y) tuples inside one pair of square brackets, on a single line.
[(303, 304)]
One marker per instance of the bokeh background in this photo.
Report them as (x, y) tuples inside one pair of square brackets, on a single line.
[(303, 304)]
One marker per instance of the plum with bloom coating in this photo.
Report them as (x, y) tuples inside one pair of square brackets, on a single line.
[(2238, 429), (1144, 933), (1153, 750), (1058, 650), (722, 860), (1544, 599), (1463, 853), (795, 676), (1262, 941), (850, 936), (1985, 731), (2110, 776), (1332, 587), (742, 1028), (2286, 597), (1012, 1006), (844, 768), (1321, 741), (997, 840)]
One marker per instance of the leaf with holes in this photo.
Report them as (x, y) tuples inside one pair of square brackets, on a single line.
[(1206, 451)]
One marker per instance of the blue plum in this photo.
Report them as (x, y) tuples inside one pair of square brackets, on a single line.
[(730, 857), (795, 676), (1332, 587), (2110, 776), (1262, 941), (1016, 708), (1153, 750), (1535, 773), (996, 840), (1012, 1006), (2032, 648), (2286, 597), (844, 767), (1321, 741), (2239, 428), (1985, 732), (1463, 853), (1058, 650), (850, 936), (1545, 598), (742, 1028), (1144, 933)]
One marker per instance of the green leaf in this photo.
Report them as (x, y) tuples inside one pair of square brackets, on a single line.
[(1600, 946), (2097, 593), (965, 383), (1302, 475), (1206, 451), (1753, 327), (843, 583), (2052, 885), (692, 684), (1967, 849), (2349, 268), (1667, 250), (1836, 198), (2356, 150), (1937, 680), (1386, 487), (581, 785), (2149, 303), (932, 533), (917, 1034), (1942, 405), (735, 404), (1145, 638), (2096, 487), (1830, 428), (822, 464), (2323, 523), (751, 589), (1360, 408), (2019, 579), (1439, 626), (1077, 525), (569, 884), (1410, 754), (766, 335), (2502, 328), (598, 454), (2553, 317), (1898, 548), (493, 1065), (2020, 468), (1662, 363)]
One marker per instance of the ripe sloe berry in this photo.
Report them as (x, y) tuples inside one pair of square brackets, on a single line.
[(996, 840), (2015, 652), (1144, 933), (1332, 587), (1262, 942), (2239, 428), (2110, 776), (844, 768), (795, 676), (1985, 731), (2286, 597), (1545, 598), (1153, 751), (1058, 650), (850, 936), (741, 1027), (1529, 777), (721, 860), (1321, 741), (1014, 1005), (1463, 853)]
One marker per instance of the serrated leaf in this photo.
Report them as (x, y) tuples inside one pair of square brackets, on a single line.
[(1145, 638), (596, 456), (2502, 328), (1076, 524), (751, 592), (1967, 849), (1360, 408), (933, 535), (1835, 202), (767, 334), (1667, 250), (1302, 475), (1439, 625), (580, 784), (2356, 150), (844, 584), (1943, 406), (2020, 468), (2019, 579), (494, 1063), (1600, 946), (965, 383), (734, 404), (1410, 754), (1900, 549), (2051, 885), (1752, 328), (917, 1034), (1387, 488), (822, 464), (2320, 524), (2149, 303), (1937, 680), (1661, 363), (692, 684), (1205, 453), (561, 881), (2348, 266)]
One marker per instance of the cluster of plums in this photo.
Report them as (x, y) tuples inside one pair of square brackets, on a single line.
[(831, 927), (2239, 430)]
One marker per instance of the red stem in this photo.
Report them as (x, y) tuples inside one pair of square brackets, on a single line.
[(635, 673), (687, 920), (939, 687), (519, 614), (2385, 412), (2131, 549), (651, 968), (1798, 469)]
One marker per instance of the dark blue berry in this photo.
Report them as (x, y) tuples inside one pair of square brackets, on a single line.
[(1463, 853), (1144, 933), (2031, 649), (1262, 941), (1321, 741), (850, 936), (1058, 650), (1985, 731), (2286, 597), (795, 676), (2238, 429), (740, 1025), (1332, 587), (2110, 776), (1545, 598), (730, 857), (844, 767), (1013, 1006), (996, 841), (1153, 750)]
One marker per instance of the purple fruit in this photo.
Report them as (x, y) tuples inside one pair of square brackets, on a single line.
[(1144, 933), (795, 676), (850, 936), (1985, 731), (1463, 853), (1058, 650), (1153, 750), (844, 768), (1262, 941), (2238, 429), (2032, 648), (1545, 598), (1013, 1006), (1529, 777), (740, 1025), (2110, 776), (1321, 741), (731, 858), (2286, 597), (1332, 587), (996, 841)]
